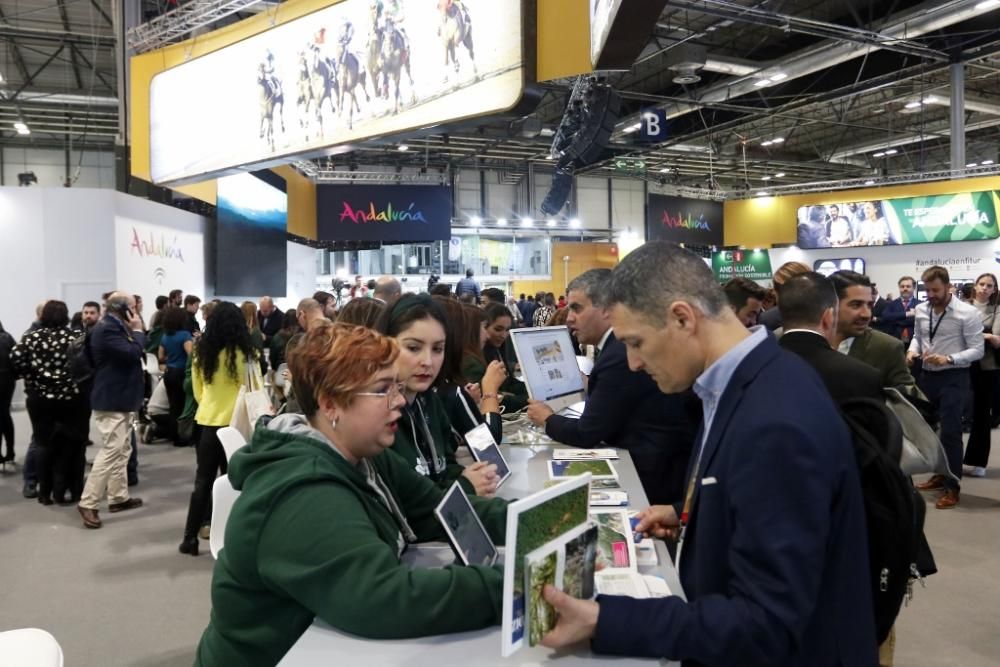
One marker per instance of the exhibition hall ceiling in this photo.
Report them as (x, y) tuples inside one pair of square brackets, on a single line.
[(850, 89)]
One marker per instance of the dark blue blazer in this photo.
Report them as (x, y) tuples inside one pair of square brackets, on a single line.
[(627, 410), (893, 319), (117, 353), (774, 562)]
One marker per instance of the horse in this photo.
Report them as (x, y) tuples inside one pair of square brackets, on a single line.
[(375, 58), (317, 84), (455, 29), (271, 97), (395, 58), (350, 75)]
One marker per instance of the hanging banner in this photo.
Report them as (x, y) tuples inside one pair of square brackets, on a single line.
[(385, 213), (684, 220), (967, 216), (351, 71), (751, 264)]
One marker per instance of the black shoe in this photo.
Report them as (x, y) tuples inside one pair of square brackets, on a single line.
[(133, 481), (30, 490), (45, 500), (189, 546)]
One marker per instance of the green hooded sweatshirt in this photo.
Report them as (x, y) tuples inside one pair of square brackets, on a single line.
[(439, 466), (313, 536)]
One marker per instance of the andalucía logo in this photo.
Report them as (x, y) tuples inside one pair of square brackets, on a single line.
[(156, 248), (686, 223), (388, 214)]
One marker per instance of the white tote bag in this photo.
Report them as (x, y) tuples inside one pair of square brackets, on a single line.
[(252, 402)]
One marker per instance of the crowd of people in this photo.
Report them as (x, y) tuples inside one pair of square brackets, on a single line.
[(762, 508)]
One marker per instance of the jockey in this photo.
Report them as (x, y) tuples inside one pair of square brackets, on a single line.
[(269, 74), (345, 37)]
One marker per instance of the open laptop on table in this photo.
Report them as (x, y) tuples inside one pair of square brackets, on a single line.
[(550, 368)]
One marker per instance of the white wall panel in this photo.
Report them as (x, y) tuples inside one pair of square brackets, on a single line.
[(592, 202)]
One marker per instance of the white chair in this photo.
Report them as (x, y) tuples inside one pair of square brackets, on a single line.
[(30, 647), (223, 497), (231, 440)]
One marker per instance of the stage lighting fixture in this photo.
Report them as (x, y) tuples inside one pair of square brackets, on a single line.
[(26, 178)]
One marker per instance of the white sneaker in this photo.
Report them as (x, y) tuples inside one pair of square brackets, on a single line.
[(977, 471)]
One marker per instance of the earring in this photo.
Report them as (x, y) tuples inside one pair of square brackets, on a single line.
[(333, 424)]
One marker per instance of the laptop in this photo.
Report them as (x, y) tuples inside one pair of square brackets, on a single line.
[(468, 536), (550, 367)]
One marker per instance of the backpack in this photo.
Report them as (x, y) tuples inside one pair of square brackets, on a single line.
[(898, 553), (79, 361)]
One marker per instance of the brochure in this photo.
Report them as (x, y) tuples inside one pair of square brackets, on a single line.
[(599, 469), (604, 498), (568, 564), (584, 454), (615, 544), (532, 523)]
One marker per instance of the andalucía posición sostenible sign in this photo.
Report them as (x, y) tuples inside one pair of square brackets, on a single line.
[(751, 264), (966, 216)]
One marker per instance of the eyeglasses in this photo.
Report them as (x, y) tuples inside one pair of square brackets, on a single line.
[(394, 390)]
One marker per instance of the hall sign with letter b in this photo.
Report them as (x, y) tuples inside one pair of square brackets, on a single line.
[(654, 125)]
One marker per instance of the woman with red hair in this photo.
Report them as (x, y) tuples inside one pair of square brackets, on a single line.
[(326, 512)]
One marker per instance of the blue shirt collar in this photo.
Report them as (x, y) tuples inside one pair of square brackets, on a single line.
[(713, 381)]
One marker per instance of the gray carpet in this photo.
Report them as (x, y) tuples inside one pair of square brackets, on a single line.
[(123, 596)]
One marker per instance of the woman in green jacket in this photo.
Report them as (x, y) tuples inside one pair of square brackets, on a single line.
[(513, 393), (325, 513), (425, 439)]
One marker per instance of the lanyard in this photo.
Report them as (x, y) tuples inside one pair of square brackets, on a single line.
[(933, 327), (688, 503), (435, 465)]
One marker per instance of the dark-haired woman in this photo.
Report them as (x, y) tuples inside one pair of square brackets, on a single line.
[(175, 346), (985, 299), (56, 407), (279, 341), (468, 404), (424, 438), (8, 380), (217, 370), (513, 393)]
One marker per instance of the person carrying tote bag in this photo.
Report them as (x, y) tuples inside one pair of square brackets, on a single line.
[(218, 368)]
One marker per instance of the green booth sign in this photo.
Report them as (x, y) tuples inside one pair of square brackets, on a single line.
[(751, 264)]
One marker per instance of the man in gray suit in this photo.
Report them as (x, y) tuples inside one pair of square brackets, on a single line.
[(856, 339)]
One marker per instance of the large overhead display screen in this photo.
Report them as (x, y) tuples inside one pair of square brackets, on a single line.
[(968, 216), (345, 73)]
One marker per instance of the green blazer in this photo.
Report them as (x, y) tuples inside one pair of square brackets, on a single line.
[(886, 354)]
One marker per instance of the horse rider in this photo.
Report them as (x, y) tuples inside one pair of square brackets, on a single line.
[(344, 39), (269, 75), (444, 6)]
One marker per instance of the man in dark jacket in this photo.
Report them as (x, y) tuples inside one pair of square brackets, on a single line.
[(899, 315), (468, 285), (809, 307), (771, 525), (623, 409), (116, 350), (269, 318)]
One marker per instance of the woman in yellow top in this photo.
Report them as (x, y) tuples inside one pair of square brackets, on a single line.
[(217, 369)]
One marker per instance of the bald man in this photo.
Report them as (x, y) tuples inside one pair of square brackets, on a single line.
[(388, 290), (309, 312), (268, 318)]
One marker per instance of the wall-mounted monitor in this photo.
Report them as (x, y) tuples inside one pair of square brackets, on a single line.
[(251, 252)]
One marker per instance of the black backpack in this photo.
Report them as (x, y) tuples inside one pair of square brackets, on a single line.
[(898, 553), (79, 362)]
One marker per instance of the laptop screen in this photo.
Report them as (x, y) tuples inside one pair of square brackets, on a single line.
[(548, 362)]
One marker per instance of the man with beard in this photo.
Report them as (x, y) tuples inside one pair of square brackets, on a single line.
[(897, 318), (623, 409), (856, 339), (947, 337)]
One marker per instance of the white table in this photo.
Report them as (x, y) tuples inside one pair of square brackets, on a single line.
[(323, 645)]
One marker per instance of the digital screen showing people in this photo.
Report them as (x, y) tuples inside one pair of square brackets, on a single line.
[(357, 69), (550, 369), (469, 536), (965, 216)]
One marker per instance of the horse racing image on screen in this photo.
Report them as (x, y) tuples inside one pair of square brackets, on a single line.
[(351, 71)]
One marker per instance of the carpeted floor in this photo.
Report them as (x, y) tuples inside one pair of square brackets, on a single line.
[(123, 596)]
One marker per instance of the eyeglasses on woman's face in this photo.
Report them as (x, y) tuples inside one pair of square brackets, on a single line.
[(393, 391)]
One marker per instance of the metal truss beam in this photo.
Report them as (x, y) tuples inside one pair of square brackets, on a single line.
[(177, 23)]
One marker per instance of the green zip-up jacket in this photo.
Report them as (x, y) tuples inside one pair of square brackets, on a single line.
[(440, 430), (516, 393), (310, 537)]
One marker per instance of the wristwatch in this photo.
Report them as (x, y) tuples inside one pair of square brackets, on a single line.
[(951, 360)]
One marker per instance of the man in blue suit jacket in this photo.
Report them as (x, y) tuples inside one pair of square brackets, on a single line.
[(117, 348), (772, 547), (623, 408), (899, 314)]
